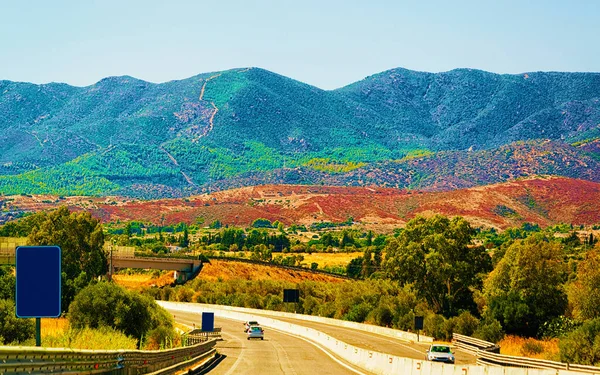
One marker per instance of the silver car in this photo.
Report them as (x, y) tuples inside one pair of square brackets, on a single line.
[(255, 332), (440, 353)]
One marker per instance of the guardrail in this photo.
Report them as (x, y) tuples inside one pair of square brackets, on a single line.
[(488, 353), (21, 360), (197, 336), (473, 345)]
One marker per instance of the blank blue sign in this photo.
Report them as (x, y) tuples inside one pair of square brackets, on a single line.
[(208, 321), (38, 281)]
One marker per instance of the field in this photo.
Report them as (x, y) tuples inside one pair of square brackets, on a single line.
[(139, 280), (541, 200), (229, 270)]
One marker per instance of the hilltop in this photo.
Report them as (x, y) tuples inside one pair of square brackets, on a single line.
[(241, 127), (542, 200)]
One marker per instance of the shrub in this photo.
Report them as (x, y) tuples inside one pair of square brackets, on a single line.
[(14, 330), (466, 324), (531, 346), (489, 330), (582, 345), (107, 304)]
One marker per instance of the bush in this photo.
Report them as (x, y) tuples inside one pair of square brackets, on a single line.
[(531, 347), (107, 304), (433, 325), (466, 324), (582, 346), (14, 330), (489, 330)]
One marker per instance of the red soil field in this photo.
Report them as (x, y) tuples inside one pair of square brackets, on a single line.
[(541, 200)]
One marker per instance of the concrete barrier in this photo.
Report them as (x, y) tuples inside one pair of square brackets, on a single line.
[(372, 361), (394, 333)]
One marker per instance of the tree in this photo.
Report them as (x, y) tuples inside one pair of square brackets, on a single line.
[(436, 256), (185, 242), (354, 268), (7, 283), (107, 304), (525, 288), (584, 293), (81, 240), (261, 223)]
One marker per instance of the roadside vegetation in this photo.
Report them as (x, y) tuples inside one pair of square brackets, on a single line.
[(100, 315), (533, 289)]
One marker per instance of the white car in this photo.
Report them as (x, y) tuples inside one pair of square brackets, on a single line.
[(440, 353), (255, 332), (249, 324)]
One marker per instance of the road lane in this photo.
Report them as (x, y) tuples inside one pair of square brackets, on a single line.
[(375, 342), (279, 353)]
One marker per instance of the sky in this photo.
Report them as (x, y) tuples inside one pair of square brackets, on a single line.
[(328, 44)]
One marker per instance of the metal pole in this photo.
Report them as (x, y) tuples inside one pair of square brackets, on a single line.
[(38, 330)]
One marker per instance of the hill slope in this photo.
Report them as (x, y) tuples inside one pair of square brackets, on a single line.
[(250, 126), (545, 201)]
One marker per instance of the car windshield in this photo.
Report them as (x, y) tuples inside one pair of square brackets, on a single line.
[(440, 349), (255, 328)]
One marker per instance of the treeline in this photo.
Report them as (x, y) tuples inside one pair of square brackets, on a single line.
[(526, 281), (92, 307)]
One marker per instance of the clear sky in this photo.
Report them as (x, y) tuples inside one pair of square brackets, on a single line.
[(324, 43)]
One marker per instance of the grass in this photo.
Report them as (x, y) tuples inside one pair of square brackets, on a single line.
[(103, 338), (529, 347), (330, 259), (56, 333)]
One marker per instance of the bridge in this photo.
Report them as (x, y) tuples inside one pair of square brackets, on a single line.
[(187, 267)]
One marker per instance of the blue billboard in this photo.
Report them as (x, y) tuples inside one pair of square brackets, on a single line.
[(38, 284)]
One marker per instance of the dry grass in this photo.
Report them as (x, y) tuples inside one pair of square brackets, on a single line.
[(330, 259), (529, 347), (54, 326), (229, 270), (137, 281)]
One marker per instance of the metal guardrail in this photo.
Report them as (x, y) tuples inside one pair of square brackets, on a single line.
[(20, 360), (197, 336), (487, 355)]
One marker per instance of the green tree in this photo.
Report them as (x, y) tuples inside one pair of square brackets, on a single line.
[(81, 240), (436, 256), (7, 283), (525, 288), (354, 268), (261, 223), (584, 292), (107, 304)]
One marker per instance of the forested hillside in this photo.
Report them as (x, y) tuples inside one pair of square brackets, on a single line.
[(398, 128)]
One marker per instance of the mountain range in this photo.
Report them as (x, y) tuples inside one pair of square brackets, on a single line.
[(242, 127)]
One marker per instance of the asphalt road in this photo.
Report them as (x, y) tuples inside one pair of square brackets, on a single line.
[(279, 353), (375, 342)]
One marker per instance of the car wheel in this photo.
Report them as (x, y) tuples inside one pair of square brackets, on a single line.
[(262, 338), (248, 338)]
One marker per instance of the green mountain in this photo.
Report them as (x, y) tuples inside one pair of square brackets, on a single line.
[(250, 126)]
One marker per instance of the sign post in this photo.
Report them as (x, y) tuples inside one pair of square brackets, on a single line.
[(418, 325), (291, 296), (38, 284)]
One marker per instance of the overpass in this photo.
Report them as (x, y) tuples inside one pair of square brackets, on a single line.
[(187, 267)]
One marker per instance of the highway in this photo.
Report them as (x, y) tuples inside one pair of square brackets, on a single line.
[(279, 353), (379, 343)]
